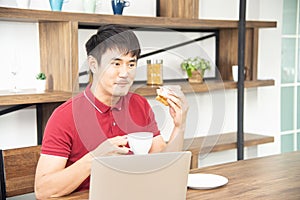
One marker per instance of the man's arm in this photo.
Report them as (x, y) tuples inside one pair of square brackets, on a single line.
[(54, 180), (178, 111), (175, 142)]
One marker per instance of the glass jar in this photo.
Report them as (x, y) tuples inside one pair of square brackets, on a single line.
[(155, 72)]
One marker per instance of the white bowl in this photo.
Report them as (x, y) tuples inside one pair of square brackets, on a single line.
[(140, 142)]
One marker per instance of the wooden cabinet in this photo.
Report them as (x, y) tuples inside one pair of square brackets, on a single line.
[(58, 37)]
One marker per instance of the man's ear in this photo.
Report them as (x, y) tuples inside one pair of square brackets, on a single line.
[(92, 62)]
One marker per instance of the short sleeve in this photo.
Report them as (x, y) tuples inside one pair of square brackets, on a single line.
[(57, 138)]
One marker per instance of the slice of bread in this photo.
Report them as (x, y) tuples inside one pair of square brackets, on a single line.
[(162, 100), (161, 95)]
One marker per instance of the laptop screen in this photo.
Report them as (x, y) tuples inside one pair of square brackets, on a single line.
[(152, 176)]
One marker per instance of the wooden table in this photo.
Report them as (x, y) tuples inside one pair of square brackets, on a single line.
[(272, 177)]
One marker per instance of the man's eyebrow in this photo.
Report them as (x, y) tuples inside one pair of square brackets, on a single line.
[(133, 60), (119, 59)]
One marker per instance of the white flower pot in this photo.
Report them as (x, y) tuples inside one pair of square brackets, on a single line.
[(40, 85)]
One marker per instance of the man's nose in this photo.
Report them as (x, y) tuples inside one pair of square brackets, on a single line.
[(123, 71)]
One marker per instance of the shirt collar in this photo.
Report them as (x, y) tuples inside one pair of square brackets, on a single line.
[(101, 106)]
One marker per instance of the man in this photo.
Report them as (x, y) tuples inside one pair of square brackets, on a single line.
[(96, 122)]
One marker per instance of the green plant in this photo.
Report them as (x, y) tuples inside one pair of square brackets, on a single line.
[(41, 76), (195, 64)]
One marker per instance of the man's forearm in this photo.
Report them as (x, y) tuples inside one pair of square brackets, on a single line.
[(65, 181), (176, 140)]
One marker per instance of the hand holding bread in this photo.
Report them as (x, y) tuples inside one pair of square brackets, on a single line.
[(173, 97)]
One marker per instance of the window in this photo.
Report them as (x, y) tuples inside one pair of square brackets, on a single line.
[(290, 77)]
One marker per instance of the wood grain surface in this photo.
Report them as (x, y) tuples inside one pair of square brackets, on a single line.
[(19, 168), (273, 178), (27, 15)]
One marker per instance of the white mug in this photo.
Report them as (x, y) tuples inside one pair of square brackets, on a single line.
[(235, 72), (23, 3), (140, 142)]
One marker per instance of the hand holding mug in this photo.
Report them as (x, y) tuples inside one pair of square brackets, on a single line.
[(112, 146)]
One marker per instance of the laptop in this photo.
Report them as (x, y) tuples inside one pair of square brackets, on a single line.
[(157, 176)]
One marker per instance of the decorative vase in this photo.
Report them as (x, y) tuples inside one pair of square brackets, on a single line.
[(40, 85), (56, 5), (196, 77)]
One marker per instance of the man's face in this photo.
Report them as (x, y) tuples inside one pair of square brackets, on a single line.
[(115, 74)]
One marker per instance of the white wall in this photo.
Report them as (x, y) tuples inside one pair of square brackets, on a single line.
[(209, 113)]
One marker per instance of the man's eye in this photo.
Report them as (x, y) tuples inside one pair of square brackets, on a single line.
[(132, 65), (116, 64)]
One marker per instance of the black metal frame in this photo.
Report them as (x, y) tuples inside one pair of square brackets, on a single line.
[(157, 8), (39, 122), (14, 108), (2, 178), (240, 96)]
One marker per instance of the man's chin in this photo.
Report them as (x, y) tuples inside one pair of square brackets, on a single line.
[(120, 93)]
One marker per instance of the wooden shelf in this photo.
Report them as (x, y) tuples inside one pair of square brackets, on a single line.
[(27, 15), (221, 142), (30, 96), (207, 86)]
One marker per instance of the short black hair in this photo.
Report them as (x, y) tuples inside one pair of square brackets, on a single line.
[(109, 37)]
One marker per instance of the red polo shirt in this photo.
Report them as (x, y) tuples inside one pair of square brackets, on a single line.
[(82, 123)]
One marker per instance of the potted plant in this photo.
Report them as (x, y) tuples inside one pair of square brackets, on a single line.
[(195, 68), (40, 82)]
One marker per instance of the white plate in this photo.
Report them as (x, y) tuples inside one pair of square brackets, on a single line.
[(206, 181)]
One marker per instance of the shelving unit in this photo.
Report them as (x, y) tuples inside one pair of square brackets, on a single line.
[(58, 38), (147, 90)]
